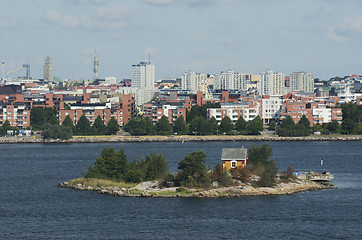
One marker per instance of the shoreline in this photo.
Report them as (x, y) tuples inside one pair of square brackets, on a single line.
[(115, 139), (242, 190)]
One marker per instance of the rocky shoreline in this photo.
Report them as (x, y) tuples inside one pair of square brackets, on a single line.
[(150, 189), (5, 140)]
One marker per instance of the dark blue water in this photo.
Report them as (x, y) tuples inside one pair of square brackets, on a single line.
[(33, 207)]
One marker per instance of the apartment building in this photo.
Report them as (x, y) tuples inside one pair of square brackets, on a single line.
[(271, 83)]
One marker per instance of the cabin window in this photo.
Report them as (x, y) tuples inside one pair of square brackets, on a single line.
[(233, 164)]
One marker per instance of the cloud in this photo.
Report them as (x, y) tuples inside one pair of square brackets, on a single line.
[(89, 1), (7, 24), (63, 20), (332, 35), (95, 24), (352, 24), (116, 12), (104, 19), (191, 3)]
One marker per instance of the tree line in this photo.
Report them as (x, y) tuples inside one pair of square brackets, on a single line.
[(351, 124), (46, 119), (192, 172), (196, 124)]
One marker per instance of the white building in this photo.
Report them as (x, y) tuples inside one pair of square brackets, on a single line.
[(271, 106), (234, 111), (143, 79), (271, 83), (301, 81), (193, 81), (231, 81)]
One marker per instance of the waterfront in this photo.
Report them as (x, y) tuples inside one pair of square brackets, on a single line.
[(33, 207)]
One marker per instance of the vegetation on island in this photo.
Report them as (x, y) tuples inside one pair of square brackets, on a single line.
[(113, 166)]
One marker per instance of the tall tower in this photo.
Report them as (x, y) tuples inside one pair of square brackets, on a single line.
[(48, 69), (143, 78), (95, 65), (143, 75)]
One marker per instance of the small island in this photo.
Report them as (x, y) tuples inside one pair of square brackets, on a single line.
[(242, 173)]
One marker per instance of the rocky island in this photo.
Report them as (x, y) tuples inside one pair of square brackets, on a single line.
[(243, 172), (152, 189)]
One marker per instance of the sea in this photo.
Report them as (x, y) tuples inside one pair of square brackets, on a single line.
[(32, 206)]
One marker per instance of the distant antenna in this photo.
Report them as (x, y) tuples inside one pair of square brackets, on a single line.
[(3, 69), (95, 65), (149, 58)]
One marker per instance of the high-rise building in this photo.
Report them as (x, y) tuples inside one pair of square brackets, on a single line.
[(193, 81), (48, 69), (271, 83), (301, 81), (143, 79), (231, 80)]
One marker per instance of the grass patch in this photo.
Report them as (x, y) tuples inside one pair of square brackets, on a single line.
[(95, 182)]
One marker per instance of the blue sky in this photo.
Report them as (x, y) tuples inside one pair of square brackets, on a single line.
[(248, 36)]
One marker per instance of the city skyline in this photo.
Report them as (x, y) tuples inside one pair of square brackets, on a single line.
[(321, 37)]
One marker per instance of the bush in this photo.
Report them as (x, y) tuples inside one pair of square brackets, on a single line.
[(241, 173)]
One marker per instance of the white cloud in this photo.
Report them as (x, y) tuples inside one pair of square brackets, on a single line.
[(89, 1), (352, 24), (190, 2), (63, 20), (7, 24), (112, 12), (332, 35), (104, 19), (95, 24)]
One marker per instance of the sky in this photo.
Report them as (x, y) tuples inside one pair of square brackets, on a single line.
[(208, 36)]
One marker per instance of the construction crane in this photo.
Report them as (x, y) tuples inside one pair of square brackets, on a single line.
[(7, 74), (27, 66)]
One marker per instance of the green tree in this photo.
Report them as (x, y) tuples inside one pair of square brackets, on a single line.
[(268, 176), (200, 126), (272, 126), (193, 171), (352, 111), (255, 126), (136, 127), (333, 126), (226, 125), (304, 121), (68, 123), (83, 126), (193, 113), (40, 116), (156, 167), (240, 125), (221, 176), (213, 125), (57, 132), (112, 127), (110, 165), (163, 127), (98, 126), (262, 165), (149, 127), (348, 126), (180, 126), (5, 127), (260, 154)]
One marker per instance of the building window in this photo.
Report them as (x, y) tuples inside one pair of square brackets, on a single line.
[(233, 164)]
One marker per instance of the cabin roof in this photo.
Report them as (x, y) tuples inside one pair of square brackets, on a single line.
[(234, 154)]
